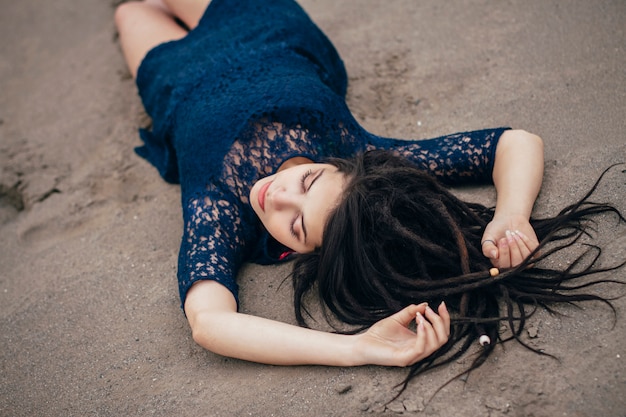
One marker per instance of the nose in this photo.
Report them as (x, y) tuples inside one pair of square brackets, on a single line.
[(284, 199)]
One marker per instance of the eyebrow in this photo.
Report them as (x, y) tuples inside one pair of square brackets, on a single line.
[(310, 186)]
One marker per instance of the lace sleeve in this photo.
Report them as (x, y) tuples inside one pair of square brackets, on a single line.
[(454, 159), (213, 241)]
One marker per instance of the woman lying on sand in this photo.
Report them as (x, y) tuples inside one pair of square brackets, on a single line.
[(247, 100)]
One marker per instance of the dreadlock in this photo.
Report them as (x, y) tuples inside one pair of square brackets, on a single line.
[(399, 236)]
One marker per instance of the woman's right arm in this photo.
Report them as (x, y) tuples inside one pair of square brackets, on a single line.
[(217, 326), (517, 175)]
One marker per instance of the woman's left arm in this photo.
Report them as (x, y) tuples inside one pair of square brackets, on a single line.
[(517, 174)]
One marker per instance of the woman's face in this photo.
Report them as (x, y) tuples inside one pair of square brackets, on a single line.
[(294, 203)]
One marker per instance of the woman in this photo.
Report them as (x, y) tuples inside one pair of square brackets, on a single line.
[(245, 98)]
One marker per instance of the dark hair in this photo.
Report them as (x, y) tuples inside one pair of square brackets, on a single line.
[(399, 237)]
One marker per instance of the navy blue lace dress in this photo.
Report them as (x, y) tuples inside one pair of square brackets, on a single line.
[(257, 83)]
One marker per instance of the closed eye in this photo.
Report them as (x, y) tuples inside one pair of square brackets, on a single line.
[(291, 228), (303, 180), (317, 177), (305, 189)]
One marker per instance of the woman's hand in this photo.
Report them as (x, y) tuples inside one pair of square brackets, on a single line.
[(508, 240), (391, 343)]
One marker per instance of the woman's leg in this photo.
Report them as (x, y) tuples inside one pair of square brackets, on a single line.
[(141, 27), (189, 11), (158, 3)]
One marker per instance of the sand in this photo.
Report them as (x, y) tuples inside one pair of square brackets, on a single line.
[(90, 323)]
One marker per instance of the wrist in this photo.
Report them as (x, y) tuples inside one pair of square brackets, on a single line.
[(515, 205), (359, 351), (512, 215)]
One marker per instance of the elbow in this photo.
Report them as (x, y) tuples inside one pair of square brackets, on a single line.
[(204, 331), (534, 139), (520, 144), (519, 136), (210, 309), (197, 333)]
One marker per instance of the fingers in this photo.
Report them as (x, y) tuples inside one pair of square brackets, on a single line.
[(421, 339), (440, 332), (529, 243), (490, 250), (515, 252), (514, 248), (407, 314), (433, 330), (445, 316), (504, 260)]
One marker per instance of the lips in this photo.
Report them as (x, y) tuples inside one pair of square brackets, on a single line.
[(262, 193)]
